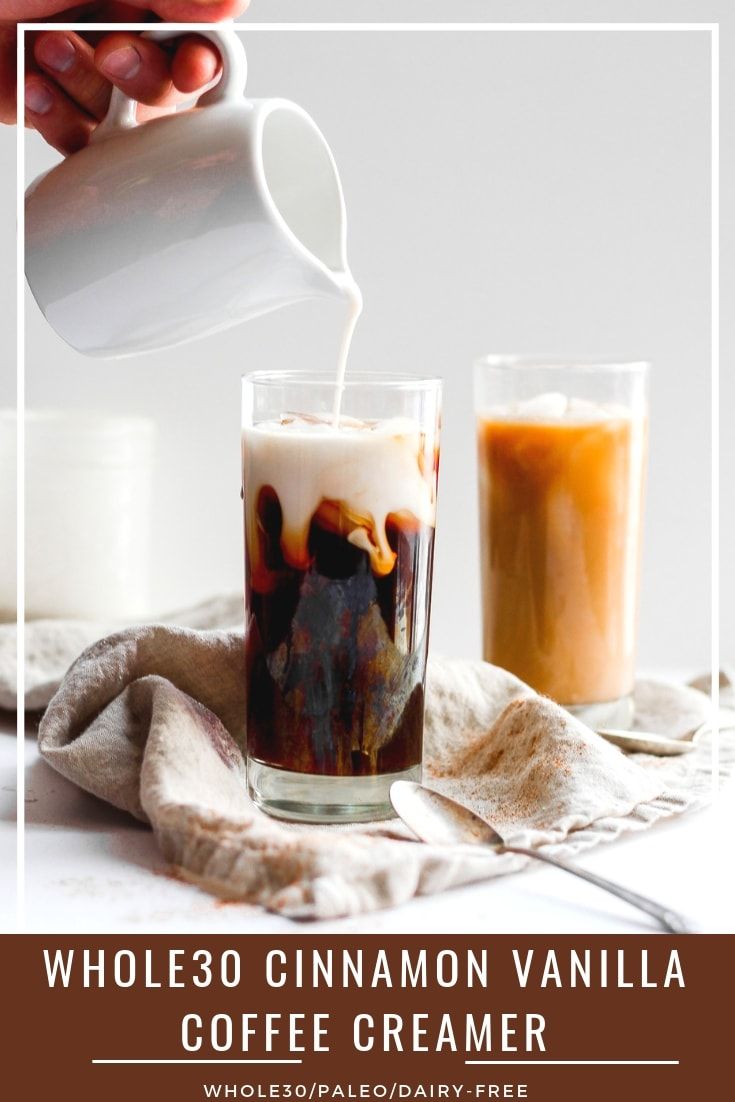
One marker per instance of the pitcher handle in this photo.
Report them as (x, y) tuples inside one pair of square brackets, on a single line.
[(121, 114)]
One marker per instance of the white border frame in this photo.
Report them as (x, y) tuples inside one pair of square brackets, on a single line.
[(447, 28)]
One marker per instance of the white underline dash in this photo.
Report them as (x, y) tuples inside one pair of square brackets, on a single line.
[(530, 1063), (194, 1060)]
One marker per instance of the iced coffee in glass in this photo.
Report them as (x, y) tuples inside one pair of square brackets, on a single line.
[(561, 462), (340, 511)]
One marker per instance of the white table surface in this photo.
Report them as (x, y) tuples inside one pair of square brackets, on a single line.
[(92, 869)]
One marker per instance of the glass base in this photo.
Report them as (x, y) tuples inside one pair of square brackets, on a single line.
[(608, 713), (308, 798)]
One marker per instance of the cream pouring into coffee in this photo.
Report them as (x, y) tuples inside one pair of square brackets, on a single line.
[(340, 506)]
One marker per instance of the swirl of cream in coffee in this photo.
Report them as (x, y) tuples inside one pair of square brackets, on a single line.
[(350, 478)]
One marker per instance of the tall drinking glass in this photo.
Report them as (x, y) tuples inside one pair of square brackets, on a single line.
[(339, 536), (561, 456)]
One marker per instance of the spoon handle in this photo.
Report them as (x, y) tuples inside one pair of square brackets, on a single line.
[(672, 921)]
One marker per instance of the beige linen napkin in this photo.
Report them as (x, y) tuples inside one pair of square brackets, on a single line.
[(152, 720), (52, 645)]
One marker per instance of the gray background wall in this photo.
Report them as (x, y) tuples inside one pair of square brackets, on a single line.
[(532, 192)]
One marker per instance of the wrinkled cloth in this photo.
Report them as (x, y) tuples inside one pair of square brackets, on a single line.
[(152, 720), (52, 645)]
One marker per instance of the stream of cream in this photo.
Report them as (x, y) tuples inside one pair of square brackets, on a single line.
[(354, 309)]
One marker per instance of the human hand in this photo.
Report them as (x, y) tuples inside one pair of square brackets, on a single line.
[(69, 76)]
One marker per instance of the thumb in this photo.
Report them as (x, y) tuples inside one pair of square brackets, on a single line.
[(195, 11), (25, 11), (7, 76)]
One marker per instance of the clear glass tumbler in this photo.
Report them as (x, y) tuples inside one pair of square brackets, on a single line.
[(339, 537), (561, 457)]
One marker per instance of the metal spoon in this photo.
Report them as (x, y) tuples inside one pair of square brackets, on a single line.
[(646, 742), (438, 820)]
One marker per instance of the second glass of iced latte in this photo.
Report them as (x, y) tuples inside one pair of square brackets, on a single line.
[(561, 457), (339, 534)]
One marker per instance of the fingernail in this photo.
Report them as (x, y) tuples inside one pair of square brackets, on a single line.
[(39, 99), (57, 52), (122, 64)]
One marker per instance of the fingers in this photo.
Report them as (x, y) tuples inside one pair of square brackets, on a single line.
[(70, 61), (136, 65), (195, 63), (71, 91), (60, 121), (146, 72)]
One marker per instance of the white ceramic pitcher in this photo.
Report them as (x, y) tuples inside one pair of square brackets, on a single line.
[(159, 232)]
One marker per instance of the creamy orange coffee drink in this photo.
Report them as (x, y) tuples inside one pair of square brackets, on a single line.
[(561, 492)]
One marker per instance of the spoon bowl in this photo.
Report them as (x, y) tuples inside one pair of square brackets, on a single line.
[(441, 821), (437, 819), (664, 746)]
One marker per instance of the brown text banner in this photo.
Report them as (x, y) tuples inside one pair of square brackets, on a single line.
[(388, 1018)]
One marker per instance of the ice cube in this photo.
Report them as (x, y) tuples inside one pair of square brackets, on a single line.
[(544, 407), (580, 409)]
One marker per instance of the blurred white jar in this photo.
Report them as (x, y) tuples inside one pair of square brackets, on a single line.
[(88, 493)]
